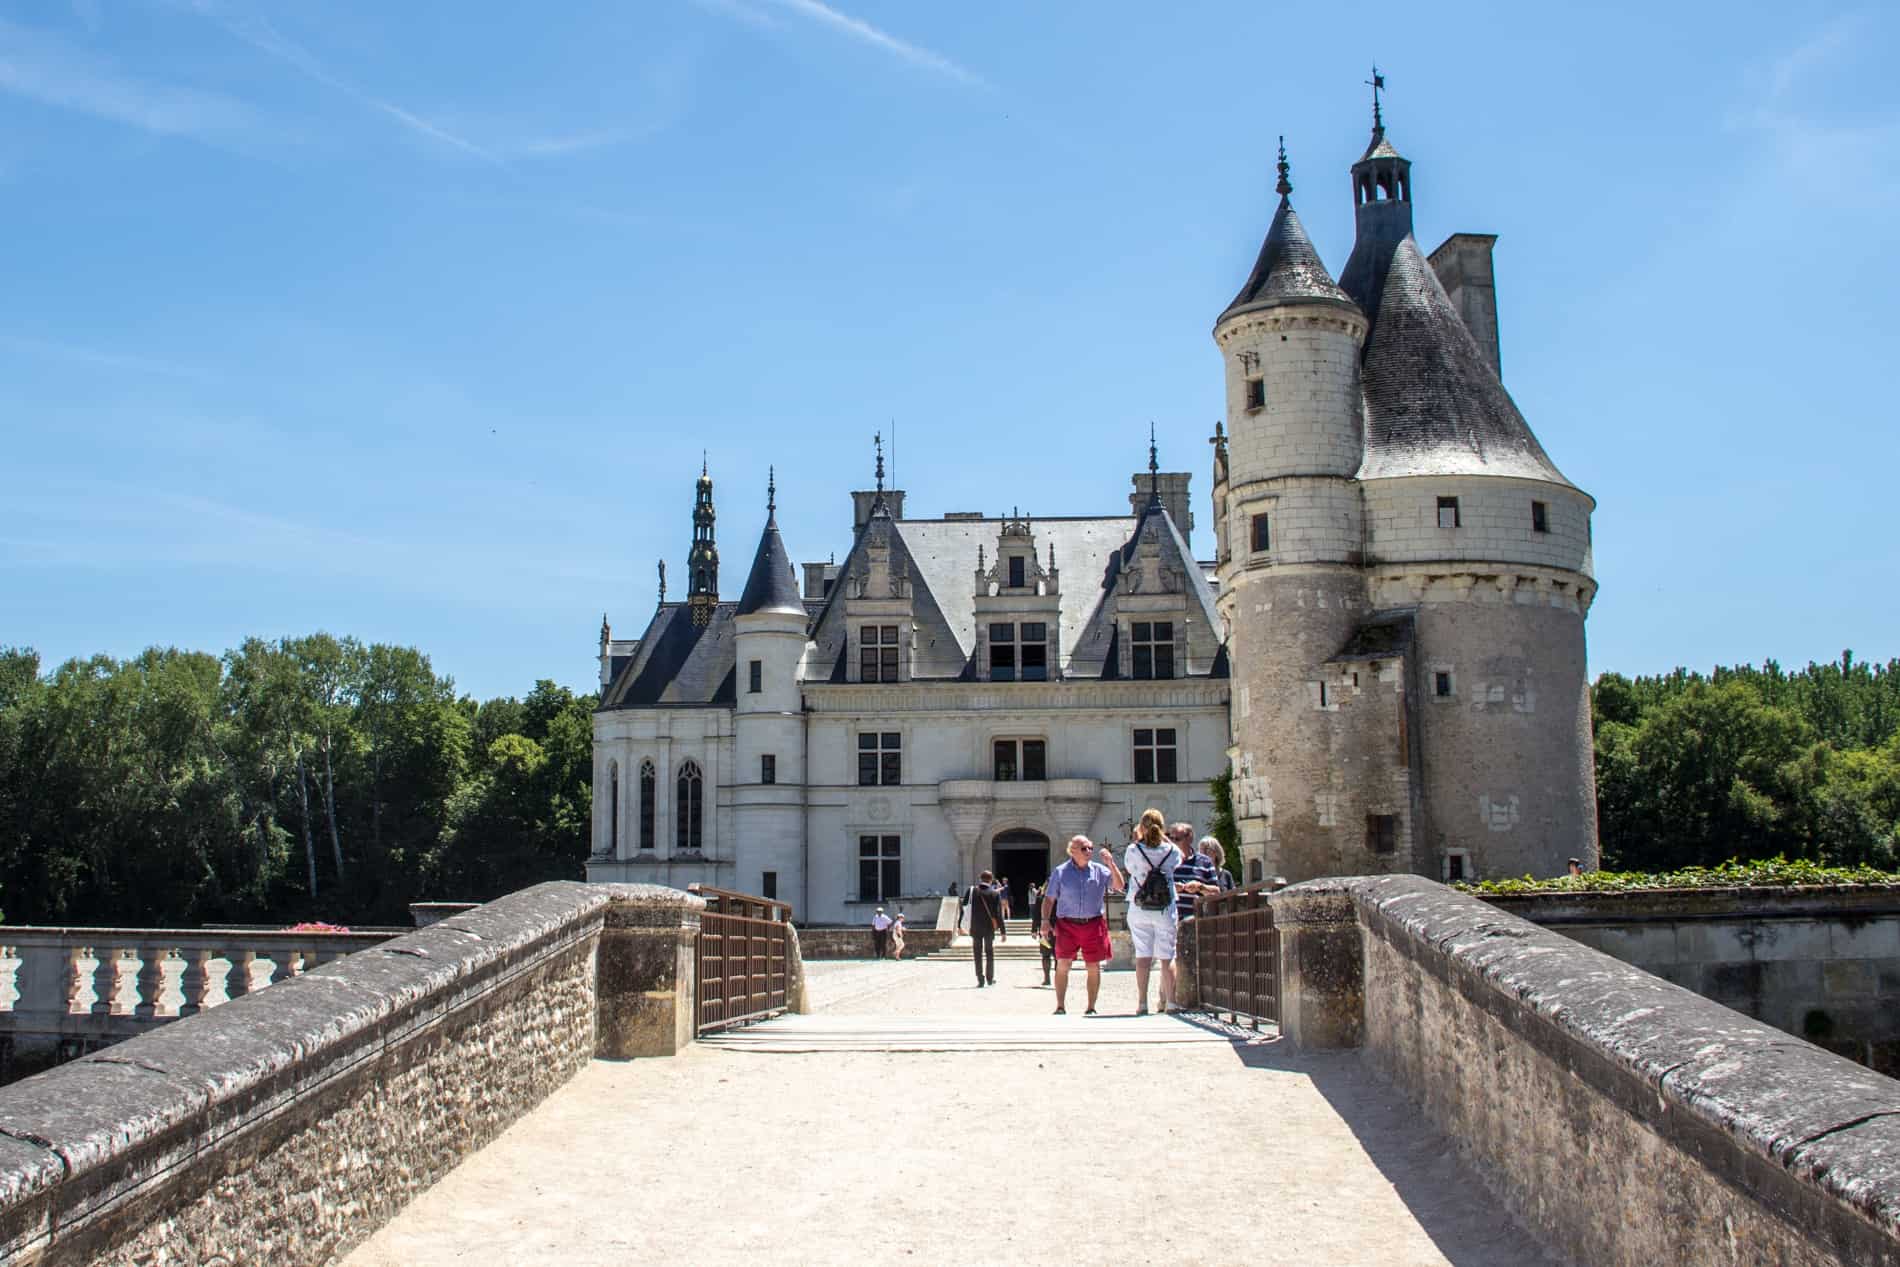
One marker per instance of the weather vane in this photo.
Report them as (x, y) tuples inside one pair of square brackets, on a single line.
[(1377, 82), (1285, 186)]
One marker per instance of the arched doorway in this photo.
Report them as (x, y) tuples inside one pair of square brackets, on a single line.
[(1020, 858)]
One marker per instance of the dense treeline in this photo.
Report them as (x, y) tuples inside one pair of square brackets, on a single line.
[(305, 778), (1750, 763)]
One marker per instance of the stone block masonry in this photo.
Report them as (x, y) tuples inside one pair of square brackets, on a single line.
[(1630, 1121), (285, 1126)]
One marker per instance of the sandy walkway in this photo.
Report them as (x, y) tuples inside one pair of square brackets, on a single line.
[(969, 1156)]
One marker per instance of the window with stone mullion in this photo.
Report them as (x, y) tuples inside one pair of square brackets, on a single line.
[(880, 870), (880, 758), (1152, 643), (1155, 755), (877, 653)]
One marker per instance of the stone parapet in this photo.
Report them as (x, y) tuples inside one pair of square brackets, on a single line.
[(1626, 1120), (285, 1126)]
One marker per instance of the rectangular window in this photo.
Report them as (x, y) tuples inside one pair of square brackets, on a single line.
[(1154, 755), (1456, 866), (1382, 833), (1153, 648), (1448, 512), (768, 885), (755, 677), (878, 870), (1540, 517), (768, 768), (1016, 571), (1002, 653), (877, 653), (1014, 759), (880, 759), (1262, 534), (1033, 652), (1441, 684), (1256, 393)]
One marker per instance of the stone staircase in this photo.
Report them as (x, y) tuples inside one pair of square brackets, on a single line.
[(1019, 945)]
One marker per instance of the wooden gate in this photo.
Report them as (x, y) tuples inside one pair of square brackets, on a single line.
[(1237, 954), (743, 958)]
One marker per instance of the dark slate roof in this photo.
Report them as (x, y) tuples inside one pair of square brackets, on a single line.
[(1433, 404), (1288, 270), (680, 664), (771, 586), (1379, 147), (1096, 646), (1381, 636)]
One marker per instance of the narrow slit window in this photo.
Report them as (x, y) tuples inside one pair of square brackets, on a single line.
[(768, 768), (755, 677), (1262, 534), (1540, 517)]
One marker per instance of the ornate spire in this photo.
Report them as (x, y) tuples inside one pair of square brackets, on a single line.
[(878, 439), (1285, 186), (1154, 468), (771, 495), (662, 580), (702, 561)]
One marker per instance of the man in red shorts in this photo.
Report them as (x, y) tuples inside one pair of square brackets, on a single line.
[(1076, 905)]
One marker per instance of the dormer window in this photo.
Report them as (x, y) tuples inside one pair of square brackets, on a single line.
[(1016, 580), (1152, 643), (877, 653)]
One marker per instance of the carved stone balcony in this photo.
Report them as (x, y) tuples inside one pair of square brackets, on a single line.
[(1067, 806)]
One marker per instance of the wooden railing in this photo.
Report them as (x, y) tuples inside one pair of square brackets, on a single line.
[(1237, 954), (74, 990), (744, 959)]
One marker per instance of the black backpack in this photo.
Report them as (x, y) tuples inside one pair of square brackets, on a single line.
[(1155, 893)]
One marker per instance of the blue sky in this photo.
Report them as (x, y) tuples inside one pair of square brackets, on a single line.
[(411, 321)]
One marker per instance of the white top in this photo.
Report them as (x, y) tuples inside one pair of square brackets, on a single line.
[(880, 921), (1136, 861)]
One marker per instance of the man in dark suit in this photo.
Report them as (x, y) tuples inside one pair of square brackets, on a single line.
[(986, 925)]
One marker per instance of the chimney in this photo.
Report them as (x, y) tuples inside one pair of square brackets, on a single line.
[(1173, 486), (1463, 265), (863, 499)]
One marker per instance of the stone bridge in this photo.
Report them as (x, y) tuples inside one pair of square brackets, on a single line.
[(520, 1084)]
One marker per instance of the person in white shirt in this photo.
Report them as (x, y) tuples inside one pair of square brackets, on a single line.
[(1151, 918), (881, 934)]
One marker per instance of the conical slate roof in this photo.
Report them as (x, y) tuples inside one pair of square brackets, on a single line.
[(1287, 271), (1379, 147), (770, 585), (1433, 404)]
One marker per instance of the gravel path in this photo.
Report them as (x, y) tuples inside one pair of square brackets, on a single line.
[(1071, 1155)]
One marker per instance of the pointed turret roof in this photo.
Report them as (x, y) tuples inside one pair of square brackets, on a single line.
[(1433, 404), (770, 585), (1288, 269)]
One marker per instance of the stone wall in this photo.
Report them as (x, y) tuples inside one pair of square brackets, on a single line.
[(855, 943), (1822, 963), (1625, 1120), (286, 1126)]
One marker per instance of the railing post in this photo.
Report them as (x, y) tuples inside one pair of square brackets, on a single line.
[(195, 982), (645, 972), (105, 979), (1321, 984), (237, 977), (151, 979)]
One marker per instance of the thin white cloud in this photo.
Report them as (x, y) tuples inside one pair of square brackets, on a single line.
[(862, 31), (1810, 144), (78, 354), (266, 38), (40, 68)]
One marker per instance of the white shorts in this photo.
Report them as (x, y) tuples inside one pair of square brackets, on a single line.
[(1153, 932)]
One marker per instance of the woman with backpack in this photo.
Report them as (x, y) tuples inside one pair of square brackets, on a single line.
[(1150, 862)]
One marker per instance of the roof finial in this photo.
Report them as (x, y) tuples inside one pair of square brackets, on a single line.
[(878, 439), (1377, 82), (662, 580), (703, 471), (1285, 186), (1154, 468), (771, 493)]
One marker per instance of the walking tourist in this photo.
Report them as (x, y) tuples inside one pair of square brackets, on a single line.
[(986, 921), (1216, 853), (881, 934), (1076, 900), (1041, 931), (897, 936), (1151, 862)]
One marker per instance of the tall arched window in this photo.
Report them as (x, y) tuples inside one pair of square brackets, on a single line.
[(647, 781), (613, 809), (688, 810)]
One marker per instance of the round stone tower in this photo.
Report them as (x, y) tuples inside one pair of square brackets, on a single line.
[(768, 720), (1475, 535), (1291, 578)]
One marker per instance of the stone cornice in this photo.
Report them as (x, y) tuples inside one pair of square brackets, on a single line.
[(1463, 580), (1071, 695), (1309, 314)]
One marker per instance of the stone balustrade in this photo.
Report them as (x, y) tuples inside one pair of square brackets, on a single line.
[(65, 991)]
